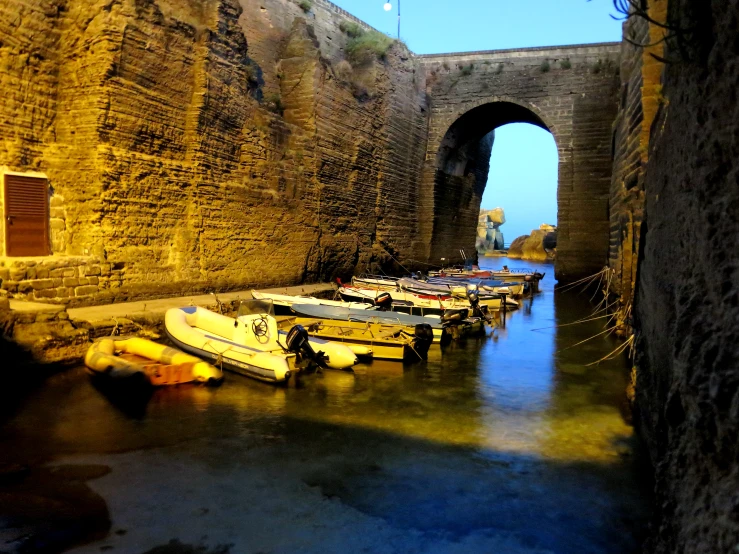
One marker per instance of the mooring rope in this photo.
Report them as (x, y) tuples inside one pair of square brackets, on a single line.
[(617, 351), (597, 287), (590, 278), (579, 321), (609, 331)]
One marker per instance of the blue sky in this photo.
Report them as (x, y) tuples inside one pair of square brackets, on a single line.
[(523, 172)]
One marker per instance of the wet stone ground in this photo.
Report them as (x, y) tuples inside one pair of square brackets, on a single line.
[(497, 444)]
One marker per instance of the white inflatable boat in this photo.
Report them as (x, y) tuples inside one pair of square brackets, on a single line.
[(251, 344)]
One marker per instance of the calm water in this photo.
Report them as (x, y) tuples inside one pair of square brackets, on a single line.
[(499, 444)]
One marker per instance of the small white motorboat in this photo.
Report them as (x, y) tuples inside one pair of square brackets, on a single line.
[(428, 299), (287, 300), (251, 344)]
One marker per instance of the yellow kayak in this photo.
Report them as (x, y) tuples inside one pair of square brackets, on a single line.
[(123, 358)]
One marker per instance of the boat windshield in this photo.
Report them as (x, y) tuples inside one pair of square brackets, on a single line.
[(256, 307)]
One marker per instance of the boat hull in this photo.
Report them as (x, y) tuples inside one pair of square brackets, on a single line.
[(383, 341), (121, 359), (206, 335), (234, 366)]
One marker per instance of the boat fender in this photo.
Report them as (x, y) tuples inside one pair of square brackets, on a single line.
[(298, 342), (424, 336), (383, 301)]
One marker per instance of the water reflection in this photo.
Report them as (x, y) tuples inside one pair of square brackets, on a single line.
[(521, 390), (510, 434)]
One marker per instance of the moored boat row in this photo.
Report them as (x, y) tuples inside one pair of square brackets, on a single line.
[(377, 318)]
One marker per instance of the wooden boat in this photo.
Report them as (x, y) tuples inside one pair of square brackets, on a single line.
[(505, 275), (136, 359), (378, 340), (427, 299), (251, 345), (405, 322), (516, 289), (286, 300), (390, 305), (458, 287)]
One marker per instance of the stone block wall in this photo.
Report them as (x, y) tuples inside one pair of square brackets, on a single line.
[(61, 280), (627, 185), (230, 143), (641, 97), (212, 145)]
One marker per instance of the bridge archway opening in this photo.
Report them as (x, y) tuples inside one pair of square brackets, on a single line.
[(461, 172)]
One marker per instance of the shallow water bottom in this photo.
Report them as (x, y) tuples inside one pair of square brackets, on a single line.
[(506, 443)]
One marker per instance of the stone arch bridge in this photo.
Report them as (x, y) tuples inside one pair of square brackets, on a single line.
[(572, 91)]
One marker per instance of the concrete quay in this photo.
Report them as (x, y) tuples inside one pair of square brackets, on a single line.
[(53, 334)]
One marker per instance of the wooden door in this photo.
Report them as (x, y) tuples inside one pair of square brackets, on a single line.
[(26, 216)]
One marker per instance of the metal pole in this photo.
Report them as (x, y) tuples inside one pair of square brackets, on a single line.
[(398, 19)]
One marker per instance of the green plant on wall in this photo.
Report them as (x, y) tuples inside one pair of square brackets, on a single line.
[(499, 69), (605, 65), (367, 47), (565, 64), (545, 67), (305, 5), (343, 70), (467, 69), (351, 28)]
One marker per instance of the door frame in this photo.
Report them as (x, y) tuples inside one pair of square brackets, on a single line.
[(3, 211)]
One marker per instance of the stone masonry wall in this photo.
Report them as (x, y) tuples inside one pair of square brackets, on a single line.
[(687, 294), (641, 96), (573, 92), (627, 185), (197, 145), (69, 279), (228, 143)]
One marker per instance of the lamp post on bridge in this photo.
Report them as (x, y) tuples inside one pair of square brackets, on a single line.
[(388, 6)]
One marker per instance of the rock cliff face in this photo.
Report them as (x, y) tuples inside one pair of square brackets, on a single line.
[(211, 144), (489, 235), (687, 292), (532, 247)]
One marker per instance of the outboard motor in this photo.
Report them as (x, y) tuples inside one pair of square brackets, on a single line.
[(424, 336), (476, 308), (455, 315), (298, 343), (474, 303), (383, 301)]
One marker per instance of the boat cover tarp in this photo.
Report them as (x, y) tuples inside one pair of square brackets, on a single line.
[(370, 316)]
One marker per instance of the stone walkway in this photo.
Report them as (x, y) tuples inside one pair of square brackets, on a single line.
[(159, 306), (27, 307)]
